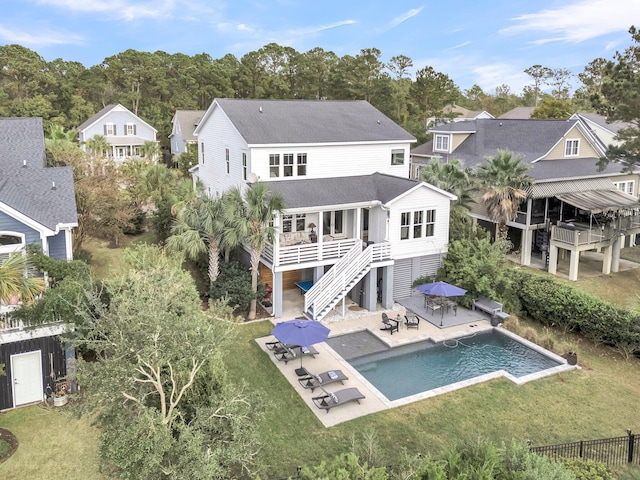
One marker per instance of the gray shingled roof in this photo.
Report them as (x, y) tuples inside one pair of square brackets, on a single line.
[(188, 120), (30, 189), (94, 118), (310, 121), (518, 113), (325, 192), (529, 139), (602, 121)]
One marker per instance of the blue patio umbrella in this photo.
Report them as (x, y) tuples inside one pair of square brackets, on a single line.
[(441, 289), (303, 333)]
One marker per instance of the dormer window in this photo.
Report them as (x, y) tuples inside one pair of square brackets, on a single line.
[(441, 143), (572, 148)]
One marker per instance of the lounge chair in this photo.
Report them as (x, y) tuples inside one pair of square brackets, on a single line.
[(328, 400), (314, 381), (411, 320), (287, 354), (390, 324)]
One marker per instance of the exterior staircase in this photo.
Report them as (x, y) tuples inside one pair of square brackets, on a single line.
[(334, 285)]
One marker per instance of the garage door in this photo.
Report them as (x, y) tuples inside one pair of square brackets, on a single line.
[(26, 374)]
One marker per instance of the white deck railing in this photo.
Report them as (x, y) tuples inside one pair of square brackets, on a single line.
[(309, 252)]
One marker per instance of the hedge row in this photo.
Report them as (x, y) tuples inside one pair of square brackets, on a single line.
[(554, 304)]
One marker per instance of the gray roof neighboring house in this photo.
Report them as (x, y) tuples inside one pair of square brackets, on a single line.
[(324, 192), (601, 120), (188, 120), (45, 195), (264, 122), (529, 139), (518, 113), (93, 119)]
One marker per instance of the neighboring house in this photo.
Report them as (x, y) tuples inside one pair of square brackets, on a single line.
[(571, 206), (184, 123), (125, 132), (353, 222), (518, 113), (604, 130), (456, 113), (37, 206)]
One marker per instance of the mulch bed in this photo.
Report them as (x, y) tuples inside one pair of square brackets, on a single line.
[(11, 439)]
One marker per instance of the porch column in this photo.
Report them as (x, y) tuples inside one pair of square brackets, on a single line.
[(606, 260), (525, 247), (553, 259), (370, 290), (573, 265), (387, 286), (276, 294), (615, 254), (318, 272)]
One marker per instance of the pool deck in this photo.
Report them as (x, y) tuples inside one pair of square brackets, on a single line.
[(465, 322)]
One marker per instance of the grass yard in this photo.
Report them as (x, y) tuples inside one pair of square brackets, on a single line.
[(52, 444)]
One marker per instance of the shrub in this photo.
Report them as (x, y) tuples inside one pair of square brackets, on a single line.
[(588, 469), (234, 285)]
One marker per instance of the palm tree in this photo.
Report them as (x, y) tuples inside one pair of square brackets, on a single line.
[(14, 281), (98, 146), (249, 219), (504, 179), (198, 229), (451, 177), (150, 150)]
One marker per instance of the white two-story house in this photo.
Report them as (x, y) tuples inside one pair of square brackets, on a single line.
[(354, 223)]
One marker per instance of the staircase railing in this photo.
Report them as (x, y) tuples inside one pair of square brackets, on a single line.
[(342, 277)]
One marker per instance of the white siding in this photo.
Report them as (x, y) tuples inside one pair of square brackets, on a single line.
[(420, 199), (217, 135), (335, 160)]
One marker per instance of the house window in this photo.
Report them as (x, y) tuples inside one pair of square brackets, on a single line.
[(130, 129), (244, 165), (572, 147), (430, 224), (405, 221), (202, 150), (417, 224), (302, 164), (627, 187), (274, 165), (110, 129), (293, 223), (226, 155), (441, 143), (287, 164), (397, 156)]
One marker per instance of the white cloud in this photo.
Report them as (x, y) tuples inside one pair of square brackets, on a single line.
[(121, 9), (463, 44), (44, 38), (581, 20), (404, 17)]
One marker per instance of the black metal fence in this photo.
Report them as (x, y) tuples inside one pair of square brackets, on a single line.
[(612, 451)]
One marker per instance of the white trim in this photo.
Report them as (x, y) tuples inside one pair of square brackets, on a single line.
[(436, 136), (120, 108), (570, 143)]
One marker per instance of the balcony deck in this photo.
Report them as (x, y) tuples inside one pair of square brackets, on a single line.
[(309, 252)]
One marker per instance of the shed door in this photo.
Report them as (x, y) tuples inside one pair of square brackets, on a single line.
[(26, 374)]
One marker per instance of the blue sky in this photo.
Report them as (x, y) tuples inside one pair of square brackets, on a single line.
[(484, 42)]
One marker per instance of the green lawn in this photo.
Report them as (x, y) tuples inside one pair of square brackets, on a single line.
[(599, 400)]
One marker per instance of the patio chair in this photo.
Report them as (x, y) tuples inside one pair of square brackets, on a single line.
[(295, 352), (314, 381), (411, 320), (328, 400), (390, 324)]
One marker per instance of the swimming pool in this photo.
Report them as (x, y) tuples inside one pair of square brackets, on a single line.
[(405, 371)]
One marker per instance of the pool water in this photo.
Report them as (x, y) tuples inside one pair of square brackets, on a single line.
[(405, 371)]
